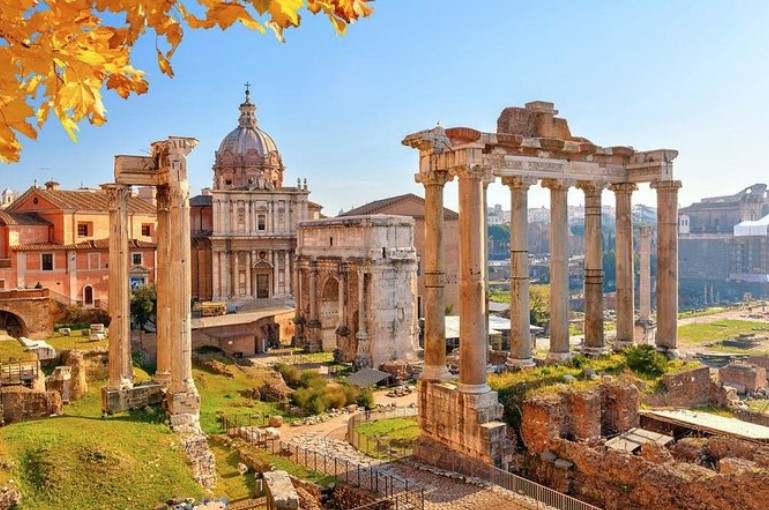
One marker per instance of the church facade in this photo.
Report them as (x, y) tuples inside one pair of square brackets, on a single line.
[(244, 227)]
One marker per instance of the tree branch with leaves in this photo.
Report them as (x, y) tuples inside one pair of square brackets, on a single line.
[(59, 55)]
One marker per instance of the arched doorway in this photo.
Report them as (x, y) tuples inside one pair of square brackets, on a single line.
[(11, 325), (329, 313), (88, 295)]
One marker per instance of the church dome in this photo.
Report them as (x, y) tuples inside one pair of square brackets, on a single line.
[(247, 135)]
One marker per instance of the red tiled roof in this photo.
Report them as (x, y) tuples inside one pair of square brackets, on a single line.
[(90, 200), (96, 244), (17, 218), (377, 206)]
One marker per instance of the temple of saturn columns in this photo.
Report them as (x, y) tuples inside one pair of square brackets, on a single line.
[(166, 170), (531, 145)]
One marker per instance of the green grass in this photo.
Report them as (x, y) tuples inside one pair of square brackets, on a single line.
[(80, 460), (686, 314), (718, 330), (220, 393), (76, 341), (377, 438), (299, 358), (12, 348), (229, 482)]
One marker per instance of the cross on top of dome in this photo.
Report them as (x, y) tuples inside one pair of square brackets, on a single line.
[(247, 110)]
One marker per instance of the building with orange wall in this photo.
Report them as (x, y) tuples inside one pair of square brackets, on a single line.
[(58, 240)]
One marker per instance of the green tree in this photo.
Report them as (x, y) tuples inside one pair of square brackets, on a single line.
[(144, 305), (539, 304)]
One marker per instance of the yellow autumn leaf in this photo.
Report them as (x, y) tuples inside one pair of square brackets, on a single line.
[(165, 65)]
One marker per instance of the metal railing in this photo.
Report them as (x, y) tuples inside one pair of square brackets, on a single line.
[(19, 372), (379, 447)]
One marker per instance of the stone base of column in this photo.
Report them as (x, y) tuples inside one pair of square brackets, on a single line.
[(480, 436), (644, 332), (184, 411), (120, 384), (621, 345), (670, 352), (474, 389), (163, 378), (593, 352), (519, 363), (435, 373), (558, 357)]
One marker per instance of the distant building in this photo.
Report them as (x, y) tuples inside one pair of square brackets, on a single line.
[(57, 241), (724, 247), (244, 228)]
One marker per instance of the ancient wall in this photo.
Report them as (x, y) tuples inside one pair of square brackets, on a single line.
[(21, 404), (743, 376), (657, 481), (578, 415), (686, 389)]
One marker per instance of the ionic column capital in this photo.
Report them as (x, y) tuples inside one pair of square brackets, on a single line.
[(433, 178), (557, 184), (591, 187), (666, 185), (623, 188), (518, 182), (470, 172)]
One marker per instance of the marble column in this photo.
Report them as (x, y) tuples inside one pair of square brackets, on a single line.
[(645, 281), (363, 356), (120, 363), (623, 250), (667, 265), (275, 260), (180, 274), (236, 274), (520, 319), (215, 275), (434, 270), (559, 270), (286, 273), (249, 264), (164, 287), (593, 287), (473, 343)]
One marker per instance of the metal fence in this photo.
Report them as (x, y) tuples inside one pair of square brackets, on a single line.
[(399, 492), (380, 447), (543, 497)]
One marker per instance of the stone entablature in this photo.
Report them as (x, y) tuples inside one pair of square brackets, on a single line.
[(531, 145), (356, 287)]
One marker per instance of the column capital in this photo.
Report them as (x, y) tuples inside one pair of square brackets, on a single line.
[(557, 184), (488, 177), (470, 172), (623, 187), (666, 185), (433, 178), (591, 187), (518, 182), (117, 194)]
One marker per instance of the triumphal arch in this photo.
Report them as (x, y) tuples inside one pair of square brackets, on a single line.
[(531, 145)]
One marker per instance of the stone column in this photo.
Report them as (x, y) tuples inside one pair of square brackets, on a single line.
[(559, 270), (520, 321), (593, 288), (165, 286), (473, 343), (236, 274), (363, 356), (120, 366), (249, 263), (623, 250), (434, 270), (667, 265), (645, 282), (215, 276), (275, 258), (286, 273)]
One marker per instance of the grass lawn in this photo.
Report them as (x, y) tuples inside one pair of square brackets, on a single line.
[(75, 341), (397, 432), (719, 330), (12, 348), (701, 313), (229, 482), (80, 460), (220, 393)]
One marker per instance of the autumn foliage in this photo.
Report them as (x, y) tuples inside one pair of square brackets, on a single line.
[(58, 55)]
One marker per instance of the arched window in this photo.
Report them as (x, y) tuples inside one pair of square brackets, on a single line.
[(88, 295)]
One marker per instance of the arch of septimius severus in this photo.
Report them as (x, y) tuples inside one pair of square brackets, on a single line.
[(531, 145)]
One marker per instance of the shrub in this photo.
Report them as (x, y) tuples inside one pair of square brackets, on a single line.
[(366, 399), (291, 375), (578, 361), (312, 379), (351, 393), (646, 360), (335, 397)]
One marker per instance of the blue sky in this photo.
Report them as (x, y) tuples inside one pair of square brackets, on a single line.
[(688, 75)]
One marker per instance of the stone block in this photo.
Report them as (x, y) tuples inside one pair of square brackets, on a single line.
[(743, 376), (584, 415), (281, 493), (142, 395), (21, 404)]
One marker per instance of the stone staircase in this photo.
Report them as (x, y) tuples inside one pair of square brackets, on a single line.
[(254, 305)]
